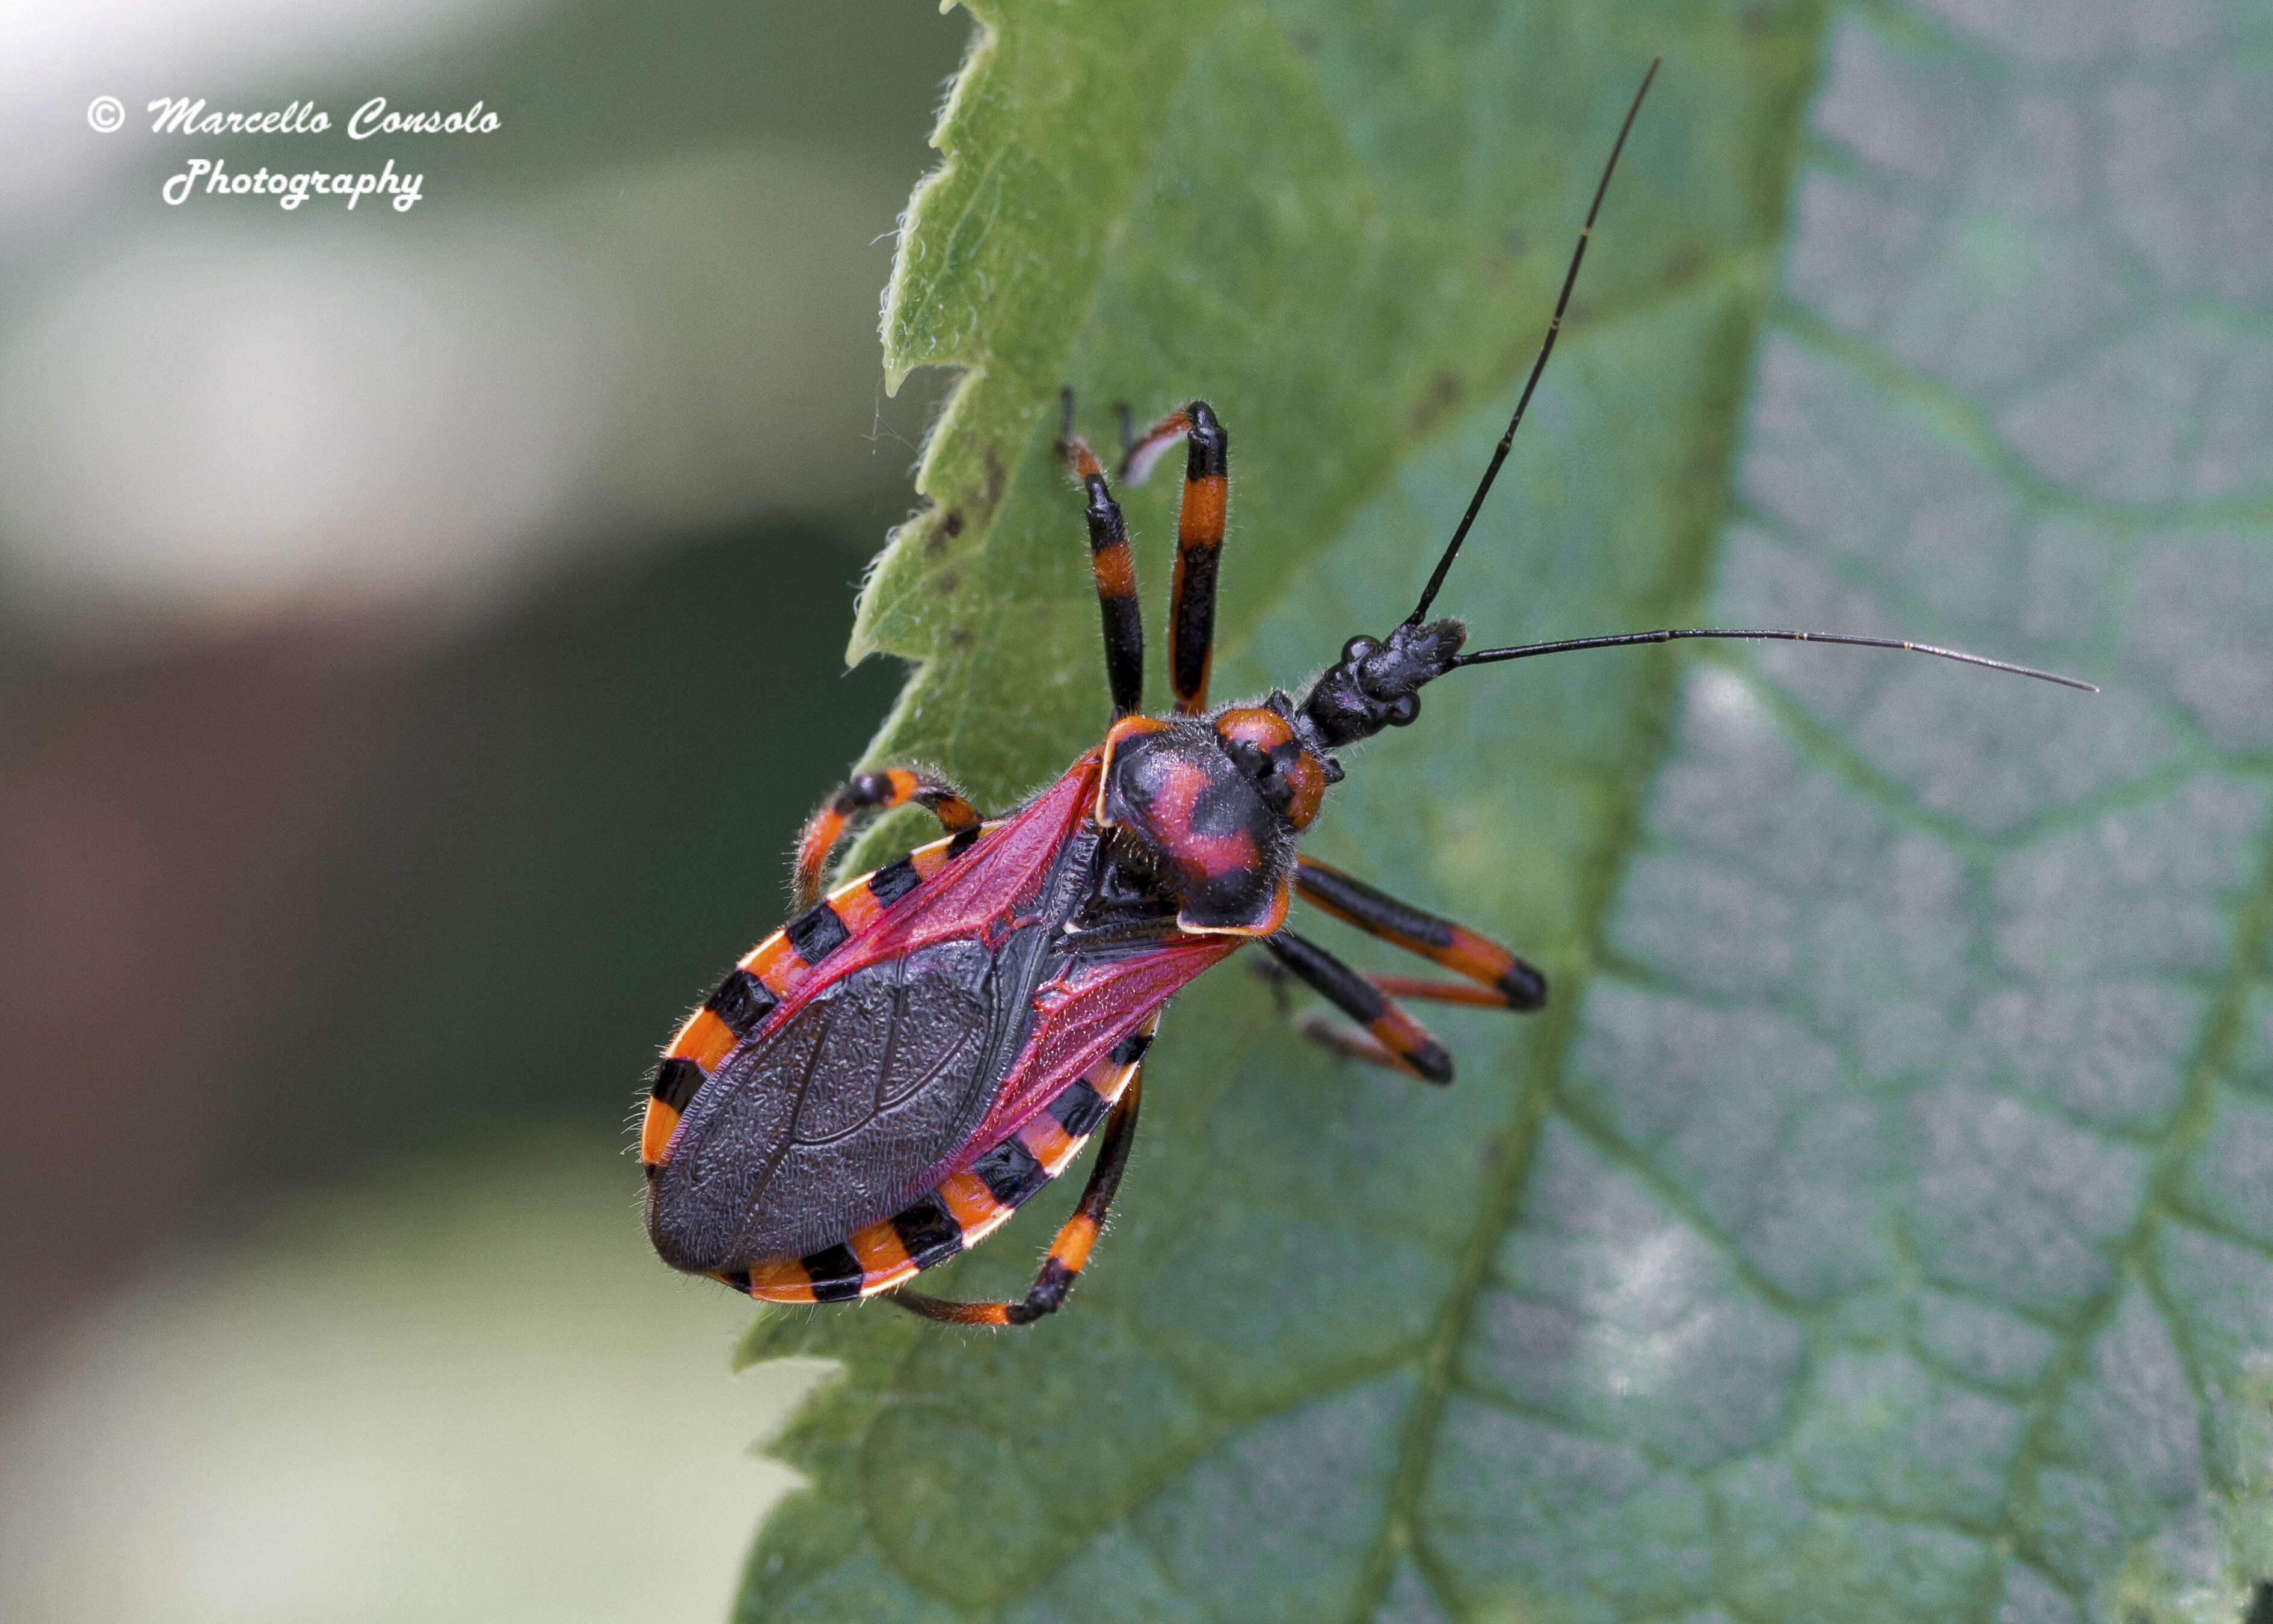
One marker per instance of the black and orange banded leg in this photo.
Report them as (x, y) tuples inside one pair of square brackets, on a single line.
[(1384, 1034), (1498, 979), (1199, 539), (1116, 570), (1069, 1251), (872, 791)]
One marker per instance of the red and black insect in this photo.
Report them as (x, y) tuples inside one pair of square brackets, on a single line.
[(877, 1085)]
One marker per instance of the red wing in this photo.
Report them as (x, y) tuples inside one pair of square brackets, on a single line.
[(948, 890), (1077, 1019)]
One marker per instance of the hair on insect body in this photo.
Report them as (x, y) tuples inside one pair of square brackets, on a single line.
[(882, 1083)]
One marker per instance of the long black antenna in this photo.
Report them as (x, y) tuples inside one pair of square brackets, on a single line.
[(1570, 281), (1489, 657)]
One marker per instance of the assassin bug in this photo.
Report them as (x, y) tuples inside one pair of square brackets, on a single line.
[(881, 1084)]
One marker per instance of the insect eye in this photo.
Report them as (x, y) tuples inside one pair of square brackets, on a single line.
[(1403, 709), (1359, 649)]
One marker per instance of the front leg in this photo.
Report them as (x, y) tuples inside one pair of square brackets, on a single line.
[(1114, 569), (1501, 980), (1385, 1034), (1199, 539)]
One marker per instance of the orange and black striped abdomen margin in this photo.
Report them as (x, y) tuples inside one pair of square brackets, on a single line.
[(770, 972), (964, 1208)]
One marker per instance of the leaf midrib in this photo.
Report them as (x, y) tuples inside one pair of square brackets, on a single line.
[(1742, 271)]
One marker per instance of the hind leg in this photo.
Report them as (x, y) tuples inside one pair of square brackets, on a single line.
[(1069, 1251), (872, 791), (1199, 539)]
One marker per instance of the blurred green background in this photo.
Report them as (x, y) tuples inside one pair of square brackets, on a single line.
[(423, 635)]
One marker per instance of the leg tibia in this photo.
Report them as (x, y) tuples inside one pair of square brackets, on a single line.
[(1114, 570), (1389, 1036), (1518, 986)]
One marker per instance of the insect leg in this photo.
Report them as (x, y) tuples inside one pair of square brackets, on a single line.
[(1069, 1252), (1385, 1034), (1199, 540), (872, 791), (1109, 561), (1501, 980)]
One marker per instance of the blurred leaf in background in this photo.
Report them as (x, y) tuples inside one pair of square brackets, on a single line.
[(1874, 1226), (645, 303), (420, 635), (364, 1410)]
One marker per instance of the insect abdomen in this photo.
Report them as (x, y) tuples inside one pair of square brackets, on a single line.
[(961, 1209), (824, 1124), (770, 972)]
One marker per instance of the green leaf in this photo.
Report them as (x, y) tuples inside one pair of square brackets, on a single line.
[(1875, 1225)]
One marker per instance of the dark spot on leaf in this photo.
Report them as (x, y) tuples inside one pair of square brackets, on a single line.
[(958, 637), (993, 494), (946, 582), (952, 525)]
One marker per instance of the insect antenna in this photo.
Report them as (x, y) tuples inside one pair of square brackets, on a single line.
[(1489, 656), (1546, 348)]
